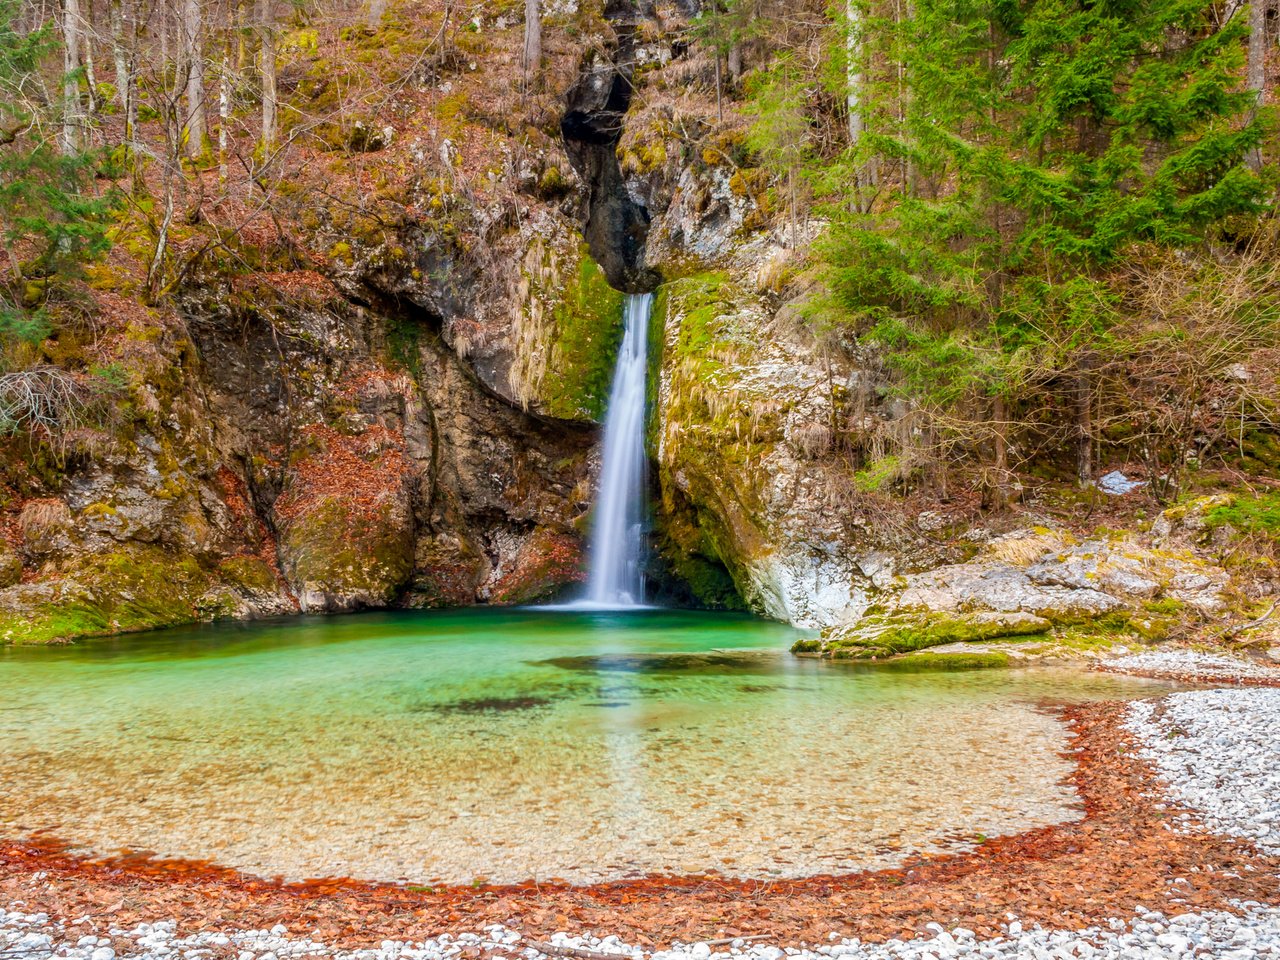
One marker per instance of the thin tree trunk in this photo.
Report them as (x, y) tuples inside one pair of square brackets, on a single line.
[(532, 56), (1255, 77), (1256, 68), (1000, 443), (70, 140), (267, 70), (376, 9), (719, 89), (735, 62), (120, 59), (124, 53), (1084, 421), (162, 27), (853, 52), (87, 33), (193, 39), (224, 109)]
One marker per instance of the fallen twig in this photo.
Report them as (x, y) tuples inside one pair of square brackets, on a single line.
[(1233, 632), (552, 950)]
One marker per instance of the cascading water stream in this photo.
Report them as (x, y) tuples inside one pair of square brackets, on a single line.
[(615, 577)]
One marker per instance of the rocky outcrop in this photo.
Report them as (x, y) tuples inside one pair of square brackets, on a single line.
[(1030, 584), (616, 224), (392, 472), (745, 409)]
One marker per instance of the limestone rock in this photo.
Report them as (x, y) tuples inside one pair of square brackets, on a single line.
[(1030, 582), (10, 568)]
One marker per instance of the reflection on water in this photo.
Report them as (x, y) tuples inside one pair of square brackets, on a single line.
[(515, 744)]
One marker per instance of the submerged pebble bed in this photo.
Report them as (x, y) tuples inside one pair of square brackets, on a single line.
[(1215, 749)]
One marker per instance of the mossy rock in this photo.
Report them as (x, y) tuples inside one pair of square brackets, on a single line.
[(585, 336), (139, 588), (548, 563), (448, 572), (1256, 515), (946, 661), (250, 574), (885, 635), (340, 557), (10, 568)]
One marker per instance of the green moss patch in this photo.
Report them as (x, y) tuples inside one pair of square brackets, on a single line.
[(141, 588), (587, 331), (887, 635), (946, 661), (1249, 514)]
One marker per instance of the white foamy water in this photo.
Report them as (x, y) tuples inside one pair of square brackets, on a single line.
[(615, 577)]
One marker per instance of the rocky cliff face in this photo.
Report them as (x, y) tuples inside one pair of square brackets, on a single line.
[(402, 413), (388, 395)]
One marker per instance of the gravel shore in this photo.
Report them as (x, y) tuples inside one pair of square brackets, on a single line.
[(1215, 750), (1190, 666), (1253, 933)]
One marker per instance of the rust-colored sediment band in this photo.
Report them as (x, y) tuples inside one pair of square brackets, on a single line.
[(1119, 856)]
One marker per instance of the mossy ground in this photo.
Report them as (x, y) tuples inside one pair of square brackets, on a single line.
[(1260, 514)]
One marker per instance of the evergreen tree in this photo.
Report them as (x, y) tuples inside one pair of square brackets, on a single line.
[(1047, 141), (49, 223)]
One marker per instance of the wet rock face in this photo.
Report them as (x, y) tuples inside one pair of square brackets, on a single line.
[(616, 224), (388, 482), (742, 451)]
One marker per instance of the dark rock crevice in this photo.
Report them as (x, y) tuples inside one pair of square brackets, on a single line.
[(616, 225)]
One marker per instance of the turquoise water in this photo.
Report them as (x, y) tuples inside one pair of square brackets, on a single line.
[(509, 745)]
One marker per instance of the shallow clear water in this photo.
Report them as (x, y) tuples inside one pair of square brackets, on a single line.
[(510, 745)]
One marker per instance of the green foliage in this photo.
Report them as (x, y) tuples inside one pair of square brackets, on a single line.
[(1014, 158), (52, 223)]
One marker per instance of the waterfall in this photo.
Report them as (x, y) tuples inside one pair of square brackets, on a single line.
[(615, 577)]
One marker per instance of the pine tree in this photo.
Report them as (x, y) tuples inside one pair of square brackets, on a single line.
[(1048, 141), (49, 224)]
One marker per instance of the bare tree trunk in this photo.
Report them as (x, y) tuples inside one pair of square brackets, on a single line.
[(70, 139), (162, 27), (87, 32), (376, 9), (197, 129), (120, 58), (1255, 76), (735, 62), (267, 70), (124, 53), (1084, 421), (1000, 442), (224, 108), (532, 56), (853, 51), (1256, 68), (719, 88)]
